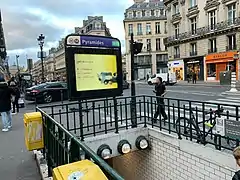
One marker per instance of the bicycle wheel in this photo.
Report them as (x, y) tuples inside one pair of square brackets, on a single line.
[(183, 127), (232, 143)]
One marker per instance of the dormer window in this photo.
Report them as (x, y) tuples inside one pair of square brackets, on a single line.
[(148, 14), (139, 14), (130, 14), (98, 26), (157, 13)]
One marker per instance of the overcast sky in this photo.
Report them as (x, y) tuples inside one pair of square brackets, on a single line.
[(25, 20)]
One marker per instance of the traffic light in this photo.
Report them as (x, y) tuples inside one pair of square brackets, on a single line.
[(137, 47)]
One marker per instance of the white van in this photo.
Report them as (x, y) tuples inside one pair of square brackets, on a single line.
[(168, 78)]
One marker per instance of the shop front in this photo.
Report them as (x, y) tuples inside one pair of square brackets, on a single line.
[(216, 63), (177, 67), (196, 65)]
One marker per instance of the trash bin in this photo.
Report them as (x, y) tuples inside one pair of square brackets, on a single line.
[(225, 77), (84, 170), (33, 131)]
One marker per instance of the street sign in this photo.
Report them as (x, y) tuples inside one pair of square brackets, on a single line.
[(94, 66), (232, 129), (92, 41)]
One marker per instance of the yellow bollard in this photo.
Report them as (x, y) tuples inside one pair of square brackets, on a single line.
[(33, 131)]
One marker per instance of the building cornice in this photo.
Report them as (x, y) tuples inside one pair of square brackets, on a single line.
[(166, 2), (211, 4), (145, 19)]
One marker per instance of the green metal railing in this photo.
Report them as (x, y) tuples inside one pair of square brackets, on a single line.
[(62, 147)]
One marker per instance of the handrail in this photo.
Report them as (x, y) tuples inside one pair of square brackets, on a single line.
[(85, 148)]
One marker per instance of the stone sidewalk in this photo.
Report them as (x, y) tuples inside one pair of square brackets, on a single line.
[(15, 161)]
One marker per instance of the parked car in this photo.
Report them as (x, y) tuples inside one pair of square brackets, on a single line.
[(47, 92), (125, 84)]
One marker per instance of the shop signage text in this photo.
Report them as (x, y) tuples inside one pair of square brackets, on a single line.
[(224, 55)]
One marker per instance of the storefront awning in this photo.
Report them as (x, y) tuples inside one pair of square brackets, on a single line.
[(219, 61)]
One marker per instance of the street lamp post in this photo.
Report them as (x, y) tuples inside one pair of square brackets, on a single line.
[(40, 40), (17, 56)]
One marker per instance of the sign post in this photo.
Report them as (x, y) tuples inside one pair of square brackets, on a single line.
[(94, 67)]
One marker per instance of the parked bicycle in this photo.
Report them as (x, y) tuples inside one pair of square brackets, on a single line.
[(190, 127)]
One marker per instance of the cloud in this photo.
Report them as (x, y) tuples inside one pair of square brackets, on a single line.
[(56, 18)]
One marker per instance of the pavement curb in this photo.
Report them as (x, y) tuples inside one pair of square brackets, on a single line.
[(42, 165)]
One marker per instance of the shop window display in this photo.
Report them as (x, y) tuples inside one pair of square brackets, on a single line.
[(194, 67), (211, 71)]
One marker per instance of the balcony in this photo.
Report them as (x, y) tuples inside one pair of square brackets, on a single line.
[(176, 56), (231, 47), (212, 50), (193, 53), (204, 32), (139, 33), (176, 17)]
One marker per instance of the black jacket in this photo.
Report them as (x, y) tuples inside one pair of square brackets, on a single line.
[(236, 176), (160, 89), (5, 97), (16, 91)]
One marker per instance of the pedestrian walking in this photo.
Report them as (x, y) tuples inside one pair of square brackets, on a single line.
[(194, 77), (16, 97), (5, 104), (160, 91), (236, 154), (188, 77)]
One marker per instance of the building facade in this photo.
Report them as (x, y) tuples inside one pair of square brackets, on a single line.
[(203, 37), (148, 22)]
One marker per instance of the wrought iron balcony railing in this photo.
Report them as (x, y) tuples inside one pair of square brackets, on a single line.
[(212, 50), (193, 53), (223, 25), (231, 47)]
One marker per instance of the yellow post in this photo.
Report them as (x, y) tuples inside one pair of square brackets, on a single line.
[(33, 131)]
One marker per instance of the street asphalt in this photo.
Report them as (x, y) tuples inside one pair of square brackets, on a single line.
[(16, 163)]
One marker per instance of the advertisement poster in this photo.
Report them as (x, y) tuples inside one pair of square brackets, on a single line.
[(95, 72)]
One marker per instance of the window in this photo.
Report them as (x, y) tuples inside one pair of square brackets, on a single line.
[(176, 8), (148, 44), (139, 29), (211, 70), (176, 52), (130, 15), (148, 28), (158, 44), (212, 45), (176, 30), (165, 27), (193, 25), (231, 42), (193, 3), (212, 19), (157, 13), (148, 13), (231, 13), (157, 28), (139, 14), (193, 49), (130, 29)]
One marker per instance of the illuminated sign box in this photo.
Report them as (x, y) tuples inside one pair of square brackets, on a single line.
[(94, 66)]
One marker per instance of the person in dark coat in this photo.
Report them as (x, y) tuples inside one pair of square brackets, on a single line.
[(236, 154), (194, 77), (15, 99), (5, 104), (160, 91)]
